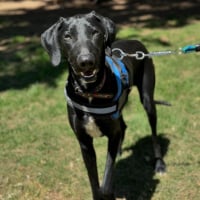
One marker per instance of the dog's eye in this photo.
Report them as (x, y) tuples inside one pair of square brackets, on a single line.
[(67, 36)]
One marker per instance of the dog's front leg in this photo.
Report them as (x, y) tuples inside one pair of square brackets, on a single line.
[(107, 190), (87, 150), (89, 158)]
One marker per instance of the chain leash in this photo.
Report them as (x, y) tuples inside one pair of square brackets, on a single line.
[(139, 55)]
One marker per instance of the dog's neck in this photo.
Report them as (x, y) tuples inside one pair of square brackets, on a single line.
[(103, 89), (94, 86)]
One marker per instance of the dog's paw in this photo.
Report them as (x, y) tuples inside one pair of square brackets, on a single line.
[(160, 167)]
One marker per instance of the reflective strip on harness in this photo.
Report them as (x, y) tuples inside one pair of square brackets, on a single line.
[(100, 111)]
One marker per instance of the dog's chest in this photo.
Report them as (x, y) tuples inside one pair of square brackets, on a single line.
[(92, 128)]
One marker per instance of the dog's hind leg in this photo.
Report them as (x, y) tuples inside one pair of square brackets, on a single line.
[(146, 85)]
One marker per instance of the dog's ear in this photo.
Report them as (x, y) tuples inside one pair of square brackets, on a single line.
[(49, 40), (108, 25)]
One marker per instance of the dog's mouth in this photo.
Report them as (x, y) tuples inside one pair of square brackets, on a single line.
[(89, 73), (89, 76)]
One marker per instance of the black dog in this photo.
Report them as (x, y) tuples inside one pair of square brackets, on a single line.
[(98, 87)]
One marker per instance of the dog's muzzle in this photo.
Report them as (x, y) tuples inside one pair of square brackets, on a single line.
[(86, 67)]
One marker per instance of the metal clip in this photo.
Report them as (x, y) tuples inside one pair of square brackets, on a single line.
[(121, 53), (140, 55)]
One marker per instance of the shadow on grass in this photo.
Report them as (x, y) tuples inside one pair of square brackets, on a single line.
[(39, 74), (146, 13), (31, 23), (135, 174), (30, 64)]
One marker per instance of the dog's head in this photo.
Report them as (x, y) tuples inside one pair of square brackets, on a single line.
[(82, 39)]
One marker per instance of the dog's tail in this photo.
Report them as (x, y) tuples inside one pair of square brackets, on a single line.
[(164, 103)]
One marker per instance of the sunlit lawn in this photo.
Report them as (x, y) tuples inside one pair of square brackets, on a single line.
[(40, 158)]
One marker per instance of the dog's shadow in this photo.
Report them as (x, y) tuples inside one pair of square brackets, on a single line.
[(134, 175)]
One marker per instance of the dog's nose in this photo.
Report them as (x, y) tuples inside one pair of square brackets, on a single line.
[(86, 61)]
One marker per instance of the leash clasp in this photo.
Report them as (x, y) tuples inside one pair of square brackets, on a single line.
[(121, 53), (139, 55)]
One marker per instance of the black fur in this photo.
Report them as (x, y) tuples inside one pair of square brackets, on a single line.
[(83, 40)]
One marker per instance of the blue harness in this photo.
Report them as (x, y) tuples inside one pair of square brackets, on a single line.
[(114, 110), (121, 74)]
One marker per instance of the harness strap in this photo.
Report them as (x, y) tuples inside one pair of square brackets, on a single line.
[(100, 111), (117, 75), (119, 70)]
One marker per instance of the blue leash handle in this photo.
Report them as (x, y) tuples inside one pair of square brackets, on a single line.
[(190, 48)]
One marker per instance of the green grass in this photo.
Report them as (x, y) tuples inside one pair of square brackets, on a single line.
[(40, 158)]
